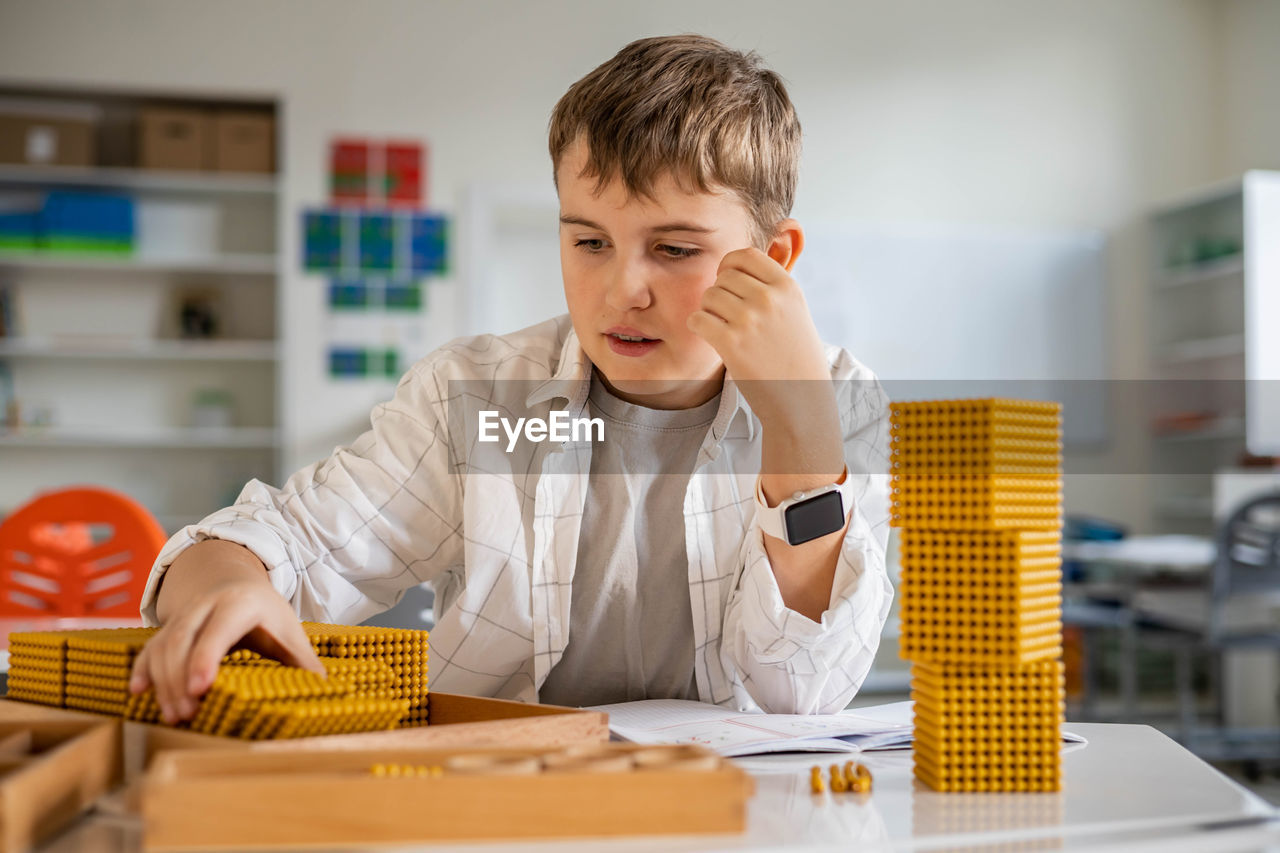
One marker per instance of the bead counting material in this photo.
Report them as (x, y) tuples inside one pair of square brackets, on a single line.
[(976, 596), (976, 485), (390, 795), (852, 777), (587, 758), (403, 651), (858, 777), (976, 464), (376, 679)]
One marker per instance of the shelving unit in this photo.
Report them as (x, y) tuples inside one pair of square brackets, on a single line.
[(228, 263), (105, 379), (139, 348), (1216, 270)]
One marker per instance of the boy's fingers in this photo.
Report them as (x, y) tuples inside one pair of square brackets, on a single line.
[(709, 327), (722, 304), (298, 648), (225, 627), (139, 677), (740, 284), (170, 669), (754, 263)]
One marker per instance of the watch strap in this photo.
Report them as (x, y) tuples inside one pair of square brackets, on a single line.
[(773, 519)]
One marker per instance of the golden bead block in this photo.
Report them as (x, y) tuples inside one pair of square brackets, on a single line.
[(975, 503), (981, 410), (377, 679), (238, 691), (988, 728), (975, 439), (81, 680), (324, 717), (143, 707), (980, 596)]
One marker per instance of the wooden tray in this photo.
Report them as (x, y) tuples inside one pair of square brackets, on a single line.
[(452, 720), (254, 800), (51, 771)]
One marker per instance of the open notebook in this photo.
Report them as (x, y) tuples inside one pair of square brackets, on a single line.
[(732, 733)]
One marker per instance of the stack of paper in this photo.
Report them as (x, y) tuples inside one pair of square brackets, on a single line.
[(732, 733)]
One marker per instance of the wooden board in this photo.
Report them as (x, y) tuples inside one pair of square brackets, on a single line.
[(257, 800), (70, 764), (453, 720)]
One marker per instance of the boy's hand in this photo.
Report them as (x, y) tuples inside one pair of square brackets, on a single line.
[(181, 660), (757, 320)]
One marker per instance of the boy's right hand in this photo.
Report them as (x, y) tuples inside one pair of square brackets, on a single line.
[(181, 660)]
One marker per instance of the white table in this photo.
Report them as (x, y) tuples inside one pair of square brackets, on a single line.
[(1132, 788)]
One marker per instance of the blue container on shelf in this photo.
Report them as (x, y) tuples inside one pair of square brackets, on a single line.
[(87, 222), (19, 230)]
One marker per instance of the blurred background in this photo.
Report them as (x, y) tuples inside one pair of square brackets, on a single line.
[(227, 228)]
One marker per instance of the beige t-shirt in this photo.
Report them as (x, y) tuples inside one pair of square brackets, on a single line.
[(630, 620)]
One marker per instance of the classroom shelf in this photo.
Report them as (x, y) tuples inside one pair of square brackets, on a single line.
[(173, 438), (225, 264), (94, 372), (142, 180), (137, 349), (1203, 349), (1220, 430), (1202, 273)]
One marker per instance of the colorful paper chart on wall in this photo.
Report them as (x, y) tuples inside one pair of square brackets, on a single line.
[(378, 246)]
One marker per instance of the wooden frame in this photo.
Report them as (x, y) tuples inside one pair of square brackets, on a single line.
[(223, 800), (452, 720), (52, 771)]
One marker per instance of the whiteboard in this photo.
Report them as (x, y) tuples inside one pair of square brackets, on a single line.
[(942, 311)]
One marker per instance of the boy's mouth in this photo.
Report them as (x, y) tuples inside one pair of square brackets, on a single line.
[(630, 342)]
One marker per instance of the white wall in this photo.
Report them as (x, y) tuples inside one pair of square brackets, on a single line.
[(1251, 85), (994, 111)]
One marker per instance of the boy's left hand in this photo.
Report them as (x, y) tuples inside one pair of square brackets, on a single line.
[(756, 318)]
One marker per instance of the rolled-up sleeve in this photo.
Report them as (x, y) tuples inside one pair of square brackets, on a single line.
[(783, 662), (343, 538)]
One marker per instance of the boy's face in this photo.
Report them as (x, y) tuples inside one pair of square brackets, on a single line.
[(637, 268)]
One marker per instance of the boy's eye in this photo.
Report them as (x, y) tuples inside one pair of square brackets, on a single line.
[(678, 252), (590, 245)]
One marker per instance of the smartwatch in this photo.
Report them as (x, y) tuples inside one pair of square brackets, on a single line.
[(806, 515)]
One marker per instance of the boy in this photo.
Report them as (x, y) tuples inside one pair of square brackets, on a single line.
[(674, 558)]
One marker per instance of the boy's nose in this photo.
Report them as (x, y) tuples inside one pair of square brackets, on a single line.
[(628, 290)]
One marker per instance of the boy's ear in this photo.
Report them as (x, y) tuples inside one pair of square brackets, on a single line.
[(787, 243)]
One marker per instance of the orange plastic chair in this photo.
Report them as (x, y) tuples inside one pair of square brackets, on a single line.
[(77, 552)]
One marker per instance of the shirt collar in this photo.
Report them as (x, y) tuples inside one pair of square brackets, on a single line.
[(572, 383), (572, 379)]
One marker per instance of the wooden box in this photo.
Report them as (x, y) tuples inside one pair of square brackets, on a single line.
[(452, 720), (51, 771), (237, 800)]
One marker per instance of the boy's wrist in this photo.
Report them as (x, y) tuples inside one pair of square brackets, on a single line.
[(801, 451)]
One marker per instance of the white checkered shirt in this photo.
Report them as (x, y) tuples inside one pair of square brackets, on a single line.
[(343, 538)]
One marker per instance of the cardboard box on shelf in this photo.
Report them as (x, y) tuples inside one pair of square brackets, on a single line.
[(174, 138), (48, 133), (244, 141)]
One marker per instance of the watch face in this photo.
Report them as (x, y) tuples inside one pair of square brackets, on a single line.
[(814, 517)]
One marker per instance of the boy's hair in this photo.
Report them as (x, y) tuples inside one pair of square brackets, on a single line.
[(693, 108)]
